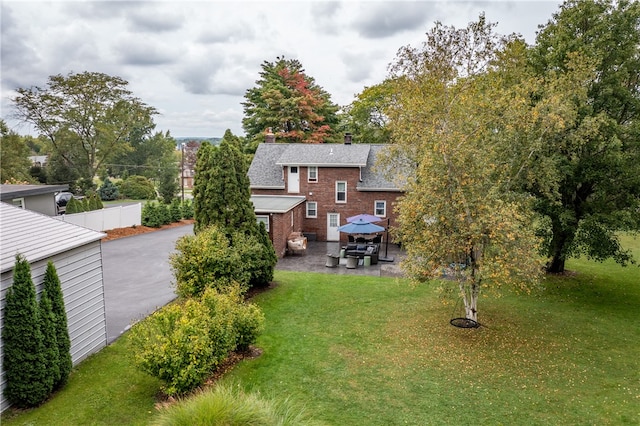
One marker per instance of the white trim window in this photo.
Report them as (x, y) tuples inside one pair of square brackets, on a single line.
[(341, 192), (312, 174), (312, 209), (264, 219), (380, 208)]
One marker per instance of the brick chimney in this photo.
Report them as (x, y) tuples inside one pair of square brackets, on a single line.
[(347, 138), (269, 137)]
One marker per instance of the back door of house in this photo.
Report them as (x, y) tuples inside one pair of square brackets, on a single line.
[(294, 179), (333, 222)]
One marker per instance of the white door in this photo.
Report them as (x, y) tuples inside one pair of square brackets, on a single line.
[(333, 222), (294, 179)]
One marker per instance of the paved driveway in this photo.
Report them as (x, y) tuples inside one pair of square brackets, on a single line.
[(137, 276)]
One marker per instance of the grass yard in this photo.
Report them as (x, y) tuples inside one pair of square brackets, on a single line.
[(360, 350)]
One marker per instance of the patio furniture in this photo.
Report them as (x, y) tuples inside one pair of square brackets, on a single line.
[(296, 243), (333, 260), (352, 262)]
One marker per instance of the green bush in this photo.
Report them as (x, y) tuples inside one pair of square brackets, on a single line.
[(137, 188), (174, 345), (23, 361), (206, 260), (92, 202), (151, 215), (74, 206), (108, 191), (164, 213), (187, 209), (175, 211), (183, 343), (229, 405), (53, 288)]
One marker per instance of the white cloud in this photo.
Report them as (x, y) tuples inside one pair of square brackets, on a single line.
[(194, 60)]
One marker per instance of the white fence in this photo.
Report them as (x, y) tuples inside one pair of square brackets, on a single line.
[(107, 218)]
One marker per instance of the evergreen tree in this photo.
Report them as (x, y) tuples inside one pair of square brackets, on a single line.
[(175, 210), (53, 288), (108, 191), (203, 192), (222, 198), (50, 342), (74, 206), (225, 198), (23, 361)]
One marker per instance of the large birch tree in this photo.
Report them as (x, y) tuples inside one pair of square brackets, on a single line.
[(463, 131)]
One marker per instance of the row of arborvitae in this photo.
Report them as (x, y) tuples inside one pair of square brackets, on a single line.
[(87, 204), (36, 344), (155, 214)]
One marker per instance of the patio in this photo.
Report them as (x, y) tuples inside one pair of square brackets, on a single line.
[(315, 260)]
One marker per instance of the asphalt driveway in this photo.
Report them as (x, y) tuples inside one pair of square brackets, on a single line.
[(137, 276)]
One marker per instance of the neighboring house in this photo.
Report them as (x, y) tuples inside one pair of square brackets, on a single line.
[(77, 255), (37, 198), (314, 188)]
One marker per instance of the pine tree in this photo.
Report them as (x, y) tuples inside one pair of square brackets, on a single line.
[(50, 341), (54, 291), (203, 194), (23, 361)]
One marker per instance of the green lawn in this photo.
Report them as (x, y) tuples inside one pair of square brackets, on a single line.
[(377, 351)]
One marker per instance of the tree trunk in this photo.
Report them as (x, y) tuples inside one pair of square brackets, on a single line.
[(556, 265), (561, 238), (470, 293)]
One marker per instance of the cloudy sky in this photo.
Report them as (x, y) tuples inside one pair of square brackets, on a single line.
[(194, 60)]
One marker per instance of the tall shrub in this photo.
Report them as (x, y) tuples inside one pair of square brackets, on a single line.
[(206, 260), (53, 288), (50, 342), (151, 215), (187, 209), (23, 360), (175, 210)]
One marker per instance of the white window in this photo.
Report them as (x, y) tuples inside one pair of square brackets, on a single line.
[(18, 202), (312, 209), (312, 174), (341, 192), (380, 208), (265, 220)]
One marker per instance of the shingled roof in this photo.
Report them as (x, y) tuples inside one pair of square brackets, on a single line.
[(266, 172)]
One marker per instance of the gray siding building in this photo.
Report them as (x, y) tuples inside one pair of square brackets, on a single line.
[(77, 255)]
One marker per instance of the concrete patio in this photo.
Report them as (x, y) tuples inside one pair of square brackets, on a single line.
[(315, 260)]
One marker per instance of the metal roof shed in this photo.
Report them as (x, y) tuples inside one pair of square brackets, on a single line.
[(77, 255)]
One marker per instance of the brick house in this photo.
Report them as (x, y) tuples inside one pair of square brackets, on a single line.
[(314, 188)]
